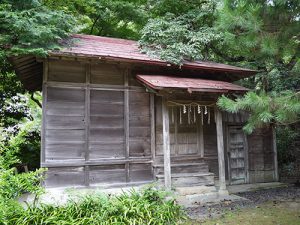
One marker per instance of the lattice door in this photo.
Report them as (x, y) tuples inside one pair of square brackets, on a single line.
[(237, 158)]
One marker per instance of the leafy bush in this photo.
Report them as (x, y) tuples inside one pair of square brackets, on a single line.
[(13, 185), (23, 149), (22, 137), (286, 137), (185, 32), (149, 206)]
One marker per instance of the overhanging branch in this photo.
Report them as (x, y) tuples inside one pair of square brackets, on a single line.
[(35, 100)]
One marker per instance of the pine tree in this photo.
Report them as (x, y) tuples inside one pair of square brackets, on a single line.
[(265, 109), (265, 36)]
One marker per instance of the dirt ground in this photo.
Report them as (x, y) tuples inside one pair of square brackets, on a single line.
[(271, 206)]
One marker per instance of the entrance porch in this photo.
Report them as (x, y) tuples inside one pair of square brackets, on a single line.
[(191, 136)]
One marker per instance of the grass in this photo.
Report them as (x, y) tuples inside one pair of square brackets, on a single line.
[(283, 213), (149, 206)]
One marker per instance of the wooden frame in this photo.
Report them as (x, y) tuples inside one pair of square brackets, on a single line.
[(276, 175), (127, 160), (136, 162), (220, 142), (44, 109), (246, 160), (166, 144)]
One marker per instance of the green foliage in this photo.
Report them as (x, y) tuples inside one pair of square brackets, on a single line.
[(20, 136), (265, 109), (286, 137), (13, 185), (28, 27), (146, 207), (9, 87), (261, 29), (8, 209), (117, 18), (14, 109), (263, 35), (25, 146), (184, 33)]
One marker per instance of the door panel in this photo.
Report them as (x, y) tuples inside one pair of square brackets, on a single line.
[(185, 132), (237, 155)]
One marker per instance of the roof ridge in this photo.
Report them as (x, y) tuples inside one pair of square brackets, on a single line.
[(103, 38), (117, 49)]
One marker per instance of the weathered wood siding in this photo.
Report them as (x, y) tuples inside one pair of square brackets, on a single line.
[(101, 128), (96, 125), (261, 156), (259, 150), (184, 135)]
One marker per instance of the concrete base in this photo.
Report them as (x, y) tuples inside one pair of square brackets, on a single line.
[(195, 200), (60, 196), (195, 196), (232, 189), (195, 190), (187, 196), (223, 192)]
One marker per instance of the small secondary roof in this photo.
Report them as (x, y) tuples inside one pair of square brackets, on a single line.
[(158, 82)]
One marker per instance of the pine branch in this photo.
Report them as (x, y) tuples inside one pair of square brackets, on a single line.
[(226, 56)]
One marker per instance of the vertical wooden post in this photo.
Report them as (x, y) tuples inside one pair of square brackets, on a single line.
[(87, 122), (220, 142), (201, 138), (126, 123), (44, 103), (152, 121), (152, 118), (276, 176), (166, 144)]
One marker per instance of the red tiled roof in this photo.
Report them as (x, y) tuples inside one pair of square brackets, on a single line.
[(158, 82), (127, 50)]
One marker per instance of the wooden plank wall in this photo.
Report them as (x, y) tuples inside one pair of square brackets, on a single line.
[(210, 146), (261, 156), (96, 128), (260, 149), (183, 136)]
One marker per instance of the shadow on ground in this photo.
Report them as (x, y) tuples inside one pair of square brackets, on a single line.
[(259, 207)]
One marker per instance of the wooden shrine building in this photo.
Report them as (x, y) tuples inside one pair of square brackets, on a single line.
[(113, 116)]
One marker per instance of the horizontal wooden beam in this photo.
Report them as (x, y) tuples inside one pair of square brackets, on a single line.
[(96, 163)]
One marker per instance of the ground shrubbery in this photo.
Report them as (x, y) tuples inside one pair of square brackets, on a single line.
[(19, 152), (13, 184), (148, 206)]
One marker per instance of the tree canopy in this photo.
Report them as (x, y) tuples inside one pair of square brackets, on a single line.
[(180, 31), (29, 27)]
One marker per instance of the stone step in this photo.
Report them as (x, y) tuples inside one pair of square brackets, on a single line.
[(189, 179), (195, 190)]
